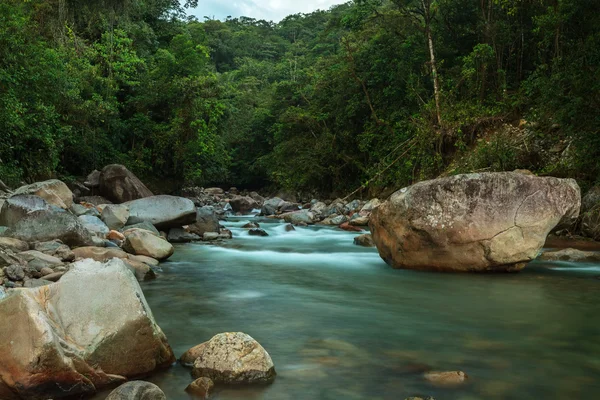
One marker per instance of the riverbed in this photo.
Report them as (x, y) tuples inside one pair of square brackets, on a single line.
[(340, 324)]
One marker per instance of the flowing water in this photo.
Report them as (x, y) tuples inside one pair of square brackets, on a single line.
[(340, 324)]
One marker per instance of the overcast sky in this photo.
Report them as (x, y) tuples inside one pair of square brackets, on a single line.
[(272, 10)]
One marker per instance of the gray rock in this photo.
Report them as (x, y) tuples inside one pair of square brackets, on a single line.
[(115, 216), (474, 222), (206, 221), (35, 283), (14, 272), (94, 225), (179, 235), (257, 232), (17, 207), (210, 236), (570, 255), (299, 217), (15, 245), (142, 225), (353, 206), (120, 185), (137, 390), (271, 206), (55, 248), (93, 179), (55, 192), (42, 226), (95, 200), (244, 204), (162, 211), (79, 210)]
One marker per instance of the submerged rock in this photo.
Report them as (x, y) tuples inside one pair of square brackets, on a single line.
[(137, 390), (233, 358), (89, 330), (201, 388), (365, 240), (257, 232), (570, 255), (474, 222), (445, 379)]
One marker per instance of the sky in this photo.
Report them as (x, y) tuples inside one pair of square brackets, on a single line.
[(271, 10)]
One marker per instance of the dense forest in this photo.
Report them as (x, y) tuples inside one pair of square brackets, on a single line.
[(371, 94)]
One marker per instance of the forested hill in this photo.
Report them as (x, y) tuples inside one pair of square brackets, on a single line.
[(373, 92)]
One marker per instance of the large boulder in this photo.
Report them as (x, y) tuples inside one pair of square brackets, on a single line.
[(16, 207), (144, 243), (53, 191), (162, 211), (137, 390), (244, 204), (271, 206), (206, 221), (42, 226), (474, 222), (94, 225), (91, 329), (232, 358), (300, 217), (120, 185)]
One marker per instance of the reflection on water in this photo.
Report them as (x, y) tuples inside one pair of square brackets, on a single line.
[(340, 324)]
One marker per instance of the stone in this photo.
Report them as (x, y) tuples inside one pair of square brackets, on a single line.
[(287, 207), (94, 225), (142, 271), (144, 243), (225, 234), (335, 208), (15, 245), (353, 206), (257, 232), (591, 200), (335, 220), (115, 216), (55, 248), (251, 225), (120, 185), (162, 211), (350, 228), (35, 283), (206, 221), (91, 329), (115, 235), (42, 226), (570, 255), (472, 223), (147, 226), (271, 206), (210, 236), (93, 180), (8, 257), (101, 254), (55, 192), (358, 220), (215, 191), (80, 209), (143, 259), (14, 272), (94, 200), (318, 208), (17, 207), (179, 235), (201, 388), (34, 254), (289, 228), (365, 240), (54, 277), (297, 217), (233, 358), (244, 204), (137, 390), (370, 205), (446, 379), (46, 271)]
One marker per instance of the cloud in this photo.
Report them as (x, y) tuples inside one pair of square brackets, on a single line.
[(274, 10)]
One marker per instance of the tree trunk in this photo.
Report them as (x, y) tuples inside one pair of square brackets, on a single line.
[(436, 83)]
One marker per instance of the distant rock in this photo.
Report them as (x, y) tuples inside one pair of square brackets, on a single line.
[(233, 358), (271, 206), (120, 185), (137, 390), (298, 217), (164, 212), (179, 235), (446, 379), (257, 232), (95, 200), (93, 180), (244, 204), (53, 191), (475, 222), (206, 221), (570, 255)]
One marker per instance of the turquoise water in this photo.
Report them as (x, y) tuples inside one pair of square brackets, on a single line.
[(340, 324)]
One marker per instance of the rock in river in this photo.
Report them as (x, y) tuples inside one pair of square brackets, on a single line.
[(570, 255), (474, 222), (91, 329), (162, 211), (137, 390), (231, 358)]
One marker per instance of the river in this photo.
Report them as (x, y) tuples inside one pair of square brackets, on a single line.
[(340, 324)]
